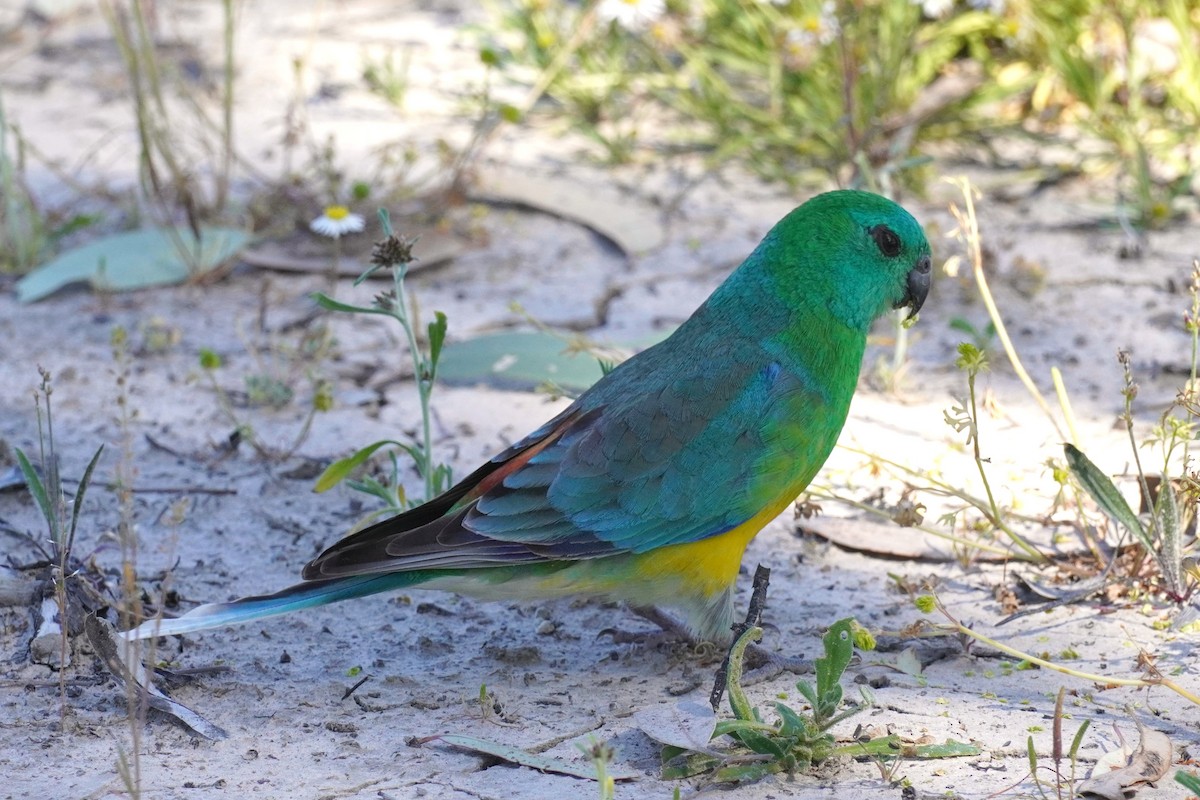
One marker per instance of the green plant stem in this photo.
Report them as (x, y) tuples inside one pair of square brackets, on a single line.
[(939, 486), (993, 510), (424, 383), (878, 512)]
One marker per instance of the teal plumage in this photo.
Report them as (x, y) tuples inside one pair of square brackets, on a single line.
[(650, 485)]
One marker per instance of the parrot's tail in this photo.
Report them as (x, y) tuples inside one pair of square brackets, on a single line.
[(294, 598)]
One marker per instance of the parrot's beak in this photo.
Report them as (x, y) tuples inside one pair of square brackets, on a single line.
[(918, 286)]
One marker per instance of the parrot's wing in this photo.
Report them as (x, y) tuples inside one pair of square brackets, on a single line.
[(657, 468)]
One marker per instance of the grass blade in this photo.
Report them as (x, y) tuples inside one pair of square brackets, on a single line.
[(84, 482), (336, 472), (38, 490)]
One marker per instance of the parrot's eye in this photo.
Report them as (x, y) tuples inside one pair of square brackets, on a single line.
[(886, 239)]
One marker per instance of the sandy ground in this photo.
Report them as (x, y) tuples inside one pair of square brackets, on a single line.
[(247, 525)]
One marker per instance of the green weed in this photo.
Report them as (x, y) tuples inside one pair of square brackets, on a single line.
[(62, 520), (795, 91), (1107, 68), (796, 741), (279, 367), (394, 253), (1062, 787), (21, 225)]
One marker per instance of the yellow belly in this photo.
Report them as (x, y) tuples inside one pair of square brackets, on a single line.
[(709, 566)]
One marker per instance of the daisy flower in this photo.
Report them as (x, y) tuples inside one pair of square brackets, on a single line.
[(336, 222), (815, 29), (935, 9), (632, 15)]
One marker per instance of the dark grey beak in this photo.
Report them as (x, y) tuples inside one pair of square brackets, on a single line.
[(918, 286)]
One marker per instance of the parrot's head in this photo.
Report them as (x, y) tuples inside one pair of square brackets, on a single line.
[(858, 254)]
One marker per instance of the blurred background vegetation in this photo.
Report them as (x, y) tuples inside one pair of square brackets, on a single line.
[(866, 91), (806, 93)]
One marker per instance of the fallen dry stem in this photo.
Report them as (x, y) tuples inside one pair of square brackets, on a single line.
[(1155, 678)]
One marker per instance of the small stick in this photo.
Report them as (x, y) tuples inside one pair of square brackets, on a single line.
[(354, 688), (758, 603)]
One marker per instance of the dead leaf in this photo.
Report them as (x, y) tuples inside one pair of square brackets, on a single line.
[(888, 539), (909, 662), (108, 645), (687, 725), (630, 224), (1147, 764)]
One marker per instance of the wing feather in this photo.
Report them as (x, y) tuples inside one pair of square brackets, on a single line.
[(664, 465)]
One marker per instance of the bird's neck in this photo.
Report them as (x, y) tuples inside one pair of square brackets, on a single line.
[(818, 347), (797, 331)]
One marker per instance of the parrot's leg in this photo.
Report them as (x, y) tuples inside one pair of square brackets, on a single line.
[(671, 631), (761, 664)]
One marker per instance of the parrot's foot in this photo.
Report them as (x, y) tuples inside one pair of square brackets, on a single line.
[(671, 632), (760, 664)]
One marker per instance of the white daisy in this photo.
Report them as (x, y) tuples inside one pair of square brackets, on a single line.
[(632, 15), (819, 29), (935, 9), (336, 222)]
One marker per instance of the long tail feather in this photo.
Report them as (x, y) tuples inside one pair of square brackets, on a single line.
[(294, 598)]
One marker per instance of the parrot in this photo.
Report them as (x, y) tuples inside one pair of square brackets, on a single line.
[(648, 488)]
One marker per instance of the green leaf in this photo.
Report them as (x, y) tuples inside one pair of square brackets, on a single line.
[(760, 743), (329, 304), (731, 726), (437, 336), (1170, 557), (742, 709), (1078, 740), (1105, 493), (209, 359), (38, 490), (810, 694), (1188, 780), (960, 324), (336, 472), (522, 360), (947, 749), (678, 764), (134, 260), (839, 649), (893, 746), (792, 723), (879, 747)]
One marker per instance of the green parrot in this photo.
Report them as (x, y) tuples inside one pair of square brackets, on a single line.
[(649, 487)]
